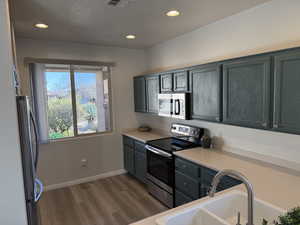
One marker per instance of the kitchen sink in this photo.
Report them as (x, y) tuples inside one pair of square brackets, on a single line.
[(223, 210), (227, 207), (194, 216)]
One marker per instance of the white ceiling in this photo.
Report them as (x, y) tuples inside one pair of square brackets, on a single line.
[(94, 22)]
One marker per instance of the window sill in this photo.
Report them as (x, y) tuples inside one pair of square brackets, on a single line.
[(80, 137)]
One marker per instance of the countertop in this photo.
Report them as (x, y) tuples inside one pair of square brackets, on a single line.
[(271, 184), (144, 136)]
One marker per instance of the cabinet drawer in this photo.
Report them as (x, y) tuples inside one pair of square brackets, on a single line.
[(187, 185), (181, 199), (128, 141), (139, 146), (187, 168), (225, 183), (207, 174), (228, 182)]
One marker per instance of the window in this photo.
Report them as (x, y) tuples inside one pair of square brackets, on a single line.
[(71, 100)]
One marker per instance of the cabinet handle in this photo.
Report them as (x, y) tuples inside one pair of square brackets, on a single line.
[(275, 125)]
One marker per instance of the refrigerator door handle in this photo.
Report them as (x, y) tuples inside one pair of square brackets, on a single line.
[(40, 187), (36, 139)]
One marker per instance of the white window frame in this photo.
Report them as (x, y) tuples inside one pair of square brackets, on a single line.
[(72, 63)]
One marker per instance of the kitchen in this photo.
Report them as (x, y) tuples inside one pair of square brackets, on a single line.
[(231, 64)]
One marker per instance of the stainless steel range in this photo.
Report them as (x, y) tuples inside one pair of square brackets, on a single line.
[(160, 160)]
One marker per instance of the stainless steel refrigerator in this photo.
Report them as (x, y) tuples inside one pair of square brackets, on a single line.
[(30, 153)]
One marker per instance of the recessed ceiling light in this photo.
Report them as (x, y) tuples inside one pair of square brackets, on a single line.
[(130, 36), (41, 25), (173, 13)]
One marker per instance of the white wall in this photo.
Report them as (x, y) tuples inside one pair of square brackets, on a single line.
[(271, 26), (60, 161), (12, 199)]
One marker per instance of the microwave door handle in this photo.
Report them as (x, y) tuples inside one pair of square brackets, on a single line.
[(177, 107), (158, 152)]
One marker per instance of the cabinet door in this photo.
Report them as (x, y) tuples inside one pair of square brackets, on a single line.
[(140, 166), (152, 90), (206, 88), (166, 82), (180, 81), (286, 93), (246, 92), (140, 94), (181, 199), (129, 159), (187, 185)]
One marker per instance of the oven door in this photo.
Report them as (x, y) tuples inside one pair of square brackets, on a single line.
[(160, 168), (165, 105)]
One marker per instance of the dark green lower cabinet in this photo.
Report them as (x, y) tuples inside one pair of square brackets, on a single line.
[(140, 166), (135, 158), (129, 159), (189, 187), (181, 199)]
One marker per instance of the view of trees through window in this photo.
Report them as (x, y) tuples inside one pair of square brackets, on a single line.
[(77, 101)]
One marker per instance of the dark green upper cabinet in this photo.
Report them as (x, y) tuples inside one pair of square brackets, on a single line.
[(152, 90), (206, 88), (140, 94), (287, 92), (166, 82), (180, 81), (246, 92)]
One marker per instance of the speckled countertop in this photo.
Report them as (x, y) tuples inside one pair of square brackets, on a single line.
[(271, 184), (144, 136)]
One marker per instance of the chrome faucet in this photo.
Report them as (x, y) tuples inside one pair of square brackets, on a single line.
[(240, 177)]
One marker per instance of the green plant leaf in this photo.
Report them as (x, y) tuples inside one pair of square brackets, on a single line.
[(292, 217)]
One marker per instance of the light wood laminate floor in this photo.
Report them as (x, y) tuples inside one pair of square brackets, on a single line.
[(117, 200)]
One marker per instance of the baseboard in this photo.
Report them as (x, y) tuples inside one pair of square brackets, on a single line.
[(84, 180)]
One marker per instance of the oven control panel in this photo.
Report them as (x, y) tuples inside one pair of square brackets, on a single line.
[(187, 130)]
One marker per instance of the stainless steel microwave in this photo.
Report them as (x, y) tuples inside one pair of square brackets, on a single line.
[(174, 105)]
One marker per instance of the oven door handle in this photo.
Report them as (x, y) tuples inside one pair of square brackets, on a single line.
[(158, 151)]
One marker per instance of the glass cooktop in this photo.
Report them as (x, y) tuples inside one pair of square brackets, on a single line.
[(172, 144)]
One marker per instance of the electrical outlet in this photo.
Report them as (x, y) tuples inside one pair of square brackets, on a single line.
[(84, 162)]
